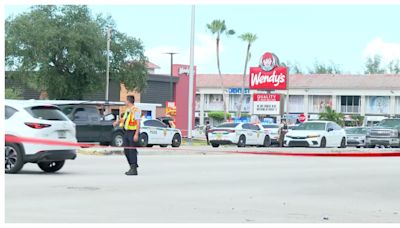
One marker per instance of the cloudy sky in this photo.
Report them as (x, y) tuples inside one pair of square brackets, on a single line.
[(302, 34)]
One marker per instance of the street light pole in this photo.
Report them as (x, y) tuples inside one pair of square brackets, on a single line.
[(191, 76), (171, 89), (108, 63)]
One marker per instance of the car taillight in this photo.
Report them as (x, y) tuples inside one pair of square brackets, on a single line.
[(230, 131), (37, 125)]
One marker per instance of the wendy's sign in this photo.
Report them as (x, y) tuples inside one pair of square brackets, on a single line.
[(269, 75)]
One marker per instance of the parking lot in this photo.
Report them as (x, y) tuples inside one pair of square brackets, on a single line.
[(200, 184)]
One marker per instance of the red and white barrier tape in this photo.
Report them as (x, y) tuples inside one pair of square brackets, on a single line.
[(14, 139)]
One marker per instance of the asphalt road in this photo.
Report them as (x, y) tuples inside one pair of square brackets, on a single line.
[(202, 187)]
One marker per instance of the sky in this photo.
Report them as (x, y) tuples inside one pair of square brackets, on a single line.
[(301, 34)]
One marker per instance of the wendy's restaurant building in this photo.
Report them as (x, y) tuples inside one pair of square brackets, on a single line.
[(374, 96)]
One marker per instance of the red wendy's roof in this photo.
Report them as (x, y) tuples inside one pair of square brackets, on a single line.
[(310, 81)]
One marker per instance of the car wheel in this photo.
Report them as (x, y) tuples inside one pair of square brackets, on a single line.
[(176, 140), (343, 143), (51, 167), (267, 141), (371, 146), (323, 142), (242, 141), (214, 145), (143, 140), (118, 139), (358, 147), (14, 158), (149, 145)]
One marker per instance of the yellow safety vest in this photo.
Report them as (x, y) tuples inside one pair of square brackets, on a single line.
[(128, 121)]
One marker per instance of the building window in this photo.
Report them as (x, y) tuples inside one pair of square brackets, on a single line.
[(317, 104), (234, 100), (350, 104), (296, 104), (378, 105), (214, 102), (197, 108)]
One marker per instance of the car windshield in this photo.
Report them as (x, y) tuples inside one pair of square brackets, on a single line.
[(389, 123), (46, 113), (356, 130), (228, 125), (271, 126), (311, 126)]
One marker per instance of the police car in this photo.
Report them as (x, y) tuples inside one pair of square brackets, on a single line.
[(241, 134), (155, 132)]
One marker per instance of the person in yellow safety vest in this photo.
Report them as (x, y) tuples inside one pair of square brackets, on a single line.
[(130, 122)]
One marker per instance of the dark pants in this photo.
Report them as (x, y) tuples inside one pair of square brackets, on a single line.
[(131, 154)]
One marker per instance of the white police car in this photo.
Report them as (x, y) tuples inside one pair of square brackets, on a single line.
[(241, 134), (155, 132)]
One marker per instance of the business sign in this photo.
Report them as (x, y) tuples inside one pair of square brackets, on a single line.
[(266, 104), (185, 70), (269, 75), (170, 108), (238, 91)]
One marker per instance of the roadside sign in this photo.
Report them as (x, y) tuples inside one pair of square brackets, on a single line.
[(302, 118), (268, 104)]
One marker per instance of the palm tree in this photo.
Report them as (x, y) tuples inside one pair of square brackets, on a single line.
[(332, 115), (218, 28), (249, 38)]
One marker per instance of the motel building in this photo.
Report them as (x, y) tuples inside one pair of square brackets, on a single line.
[(375, 96)]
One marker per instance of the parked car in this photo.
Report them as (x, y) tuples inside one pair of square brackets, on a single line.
[(241, 134), (316, 134), (356, 136), (273, 130), (40, 121), (154, 132), (93, 127), (385, 133), (199, 132)]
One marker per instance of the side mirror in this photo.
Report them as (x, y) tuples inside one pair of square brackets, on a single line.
[(109, 117), (330, 129)]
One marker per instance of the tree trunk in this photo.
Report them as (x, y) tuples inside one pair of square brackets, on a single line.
[(221, 79), (243, 81)]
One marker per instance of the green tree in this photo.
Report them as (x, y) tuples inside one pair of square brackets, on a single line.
[(320, 68), (11, 93), (332, 115), (218, 28), (359, 119), (62, 50), (218, 116), (394, 67), (294, 68), (249, 38), (373, 65)]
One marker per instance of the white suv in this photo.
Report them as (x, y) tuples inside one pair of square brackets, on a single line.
[(32, 119)]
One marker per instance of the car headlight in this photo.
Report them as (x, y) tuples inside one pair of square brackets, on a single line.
[(313, 136), (288, 136)]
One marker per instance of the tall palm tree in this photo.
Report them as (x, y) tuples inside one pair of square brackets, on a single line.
[(218, 28), (250, 38)]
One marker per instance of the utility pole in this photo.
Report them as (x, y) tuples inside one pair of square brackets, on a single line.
[(191, 76), (171, 87), (108, 63)]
